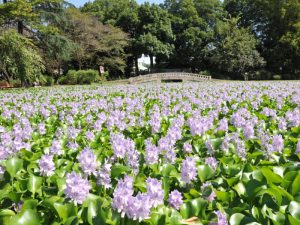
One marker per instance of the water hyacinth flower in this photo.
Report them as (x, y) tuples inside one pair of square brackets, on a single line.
[(122, 195), (298, 147), (56, 148), (87, 161), (212, 196), (103, 175), (187, 147), (152, 153), (77, 188), (46, 165), (212, 162), (188, 170), (223, 124), (119, 145), (248, 131), (139, 207), (2, 171), (170, 156), (175, 199), (209, 146), (278, 143), (155, 192), (222, 220)]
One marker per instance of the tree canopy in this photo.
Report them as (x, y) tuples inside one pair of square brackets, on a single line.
[(230, 38)]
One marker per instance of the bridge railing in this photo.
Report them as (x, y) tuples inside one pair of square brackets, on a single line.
[(163, 76)]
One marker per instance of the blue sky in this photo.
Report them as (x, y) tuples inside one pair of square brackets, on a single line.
[(81, 2)]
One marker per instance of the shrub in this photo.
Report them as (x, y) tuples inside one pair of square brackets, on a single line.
[(87, 76), (16, 83), (277, 77), (49, 81), (79, 77), (69, 78)]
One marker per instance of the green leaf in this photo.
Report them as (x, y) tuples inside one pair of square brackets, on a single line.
[(296, 185), (119, 169), (271, 176), (293, 221), (195, 207), (5, 216), (240, 219), (34, 183), (25, 217), (294, 209), (14, 165), (240, 189), (205, 172), (30, 204), (166, 169), (65, 210), (72, 221), (96, 214)]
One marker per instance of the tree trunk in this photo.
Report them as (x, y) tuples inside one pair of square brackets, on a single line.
[(136, 65), (20, 27), (6, 77), (151, 63)]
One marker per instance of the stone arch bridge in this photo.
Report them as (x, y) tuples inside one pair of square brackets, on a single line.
[(159, 77)]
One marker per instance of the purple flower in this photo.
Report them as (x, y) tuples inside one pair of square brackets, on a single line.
[(278, 143), (133, 157), (209, 146), (241, 150), (90, 135), (2, 171), (103, 175), (188, 170), (56, 148), (152, 153), (77, 188), (119, 145), (155, 192), (46, 165), (205, 185), (175, 199), (122, 195), (248, 131), (187, 147), (212, 162), (170, 156), (223, 124), (139, 207), (211, 197), (87, 161), (222, 220)]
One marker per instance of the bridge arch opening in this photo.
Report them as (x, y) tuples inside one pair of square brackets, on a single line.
[(172, 81)]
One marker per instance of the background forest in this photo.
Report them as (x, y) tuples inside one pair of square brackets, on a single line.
[(51, 41)]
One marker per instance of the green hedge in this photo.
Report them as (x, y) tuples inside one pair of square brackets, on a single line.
[(80, 77)]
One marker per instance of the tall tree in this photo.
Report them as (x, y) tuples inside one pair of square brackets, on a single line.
[(26, 13), (19, 58), (97, 44), (234, 51), (155, 29), (193, 23), (271, 21)]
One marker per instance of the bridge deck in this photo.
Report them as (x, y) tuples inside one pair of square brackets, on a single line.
[(158, 77)]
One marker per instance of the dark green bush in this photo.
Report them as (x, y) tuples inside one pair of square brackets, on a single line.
[(16, 83), (49, 81), (87, 76), (277, 77), (79, 77)]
